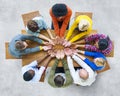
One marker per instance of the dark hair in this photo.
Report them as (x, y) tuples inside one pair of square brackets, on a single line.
[(19, 45), (59, 10), (32, 25), (59, 80), (27, 76), (103, 44)]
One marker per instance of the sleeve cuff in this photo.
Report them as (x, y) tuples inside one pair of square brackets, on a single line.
[(41, 48)]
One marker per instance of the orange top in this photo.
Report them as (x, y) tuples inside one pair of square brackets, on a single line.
[(60, 31)]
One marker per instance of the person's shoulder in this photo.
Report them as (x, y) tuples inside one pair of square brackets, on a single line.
[(17, 37), (38, 18), (69, 11)]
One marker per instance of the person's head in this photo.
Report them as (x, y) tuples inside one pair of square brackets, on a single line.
[(83, 25), (100, 62), (59, 10), (32, 25), (59, 80), (28, 75), (20, 45), (102, 44), (83, 74)]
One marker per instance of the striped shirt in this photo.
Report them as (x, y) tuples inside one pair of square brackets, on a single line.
[(95, 38)]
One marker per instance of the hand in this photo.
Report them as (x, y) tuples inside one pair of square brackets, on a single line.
[(66, 43), (58, 54), (51, 42), (62, 54), (51, 53), (68, 51), (46, 43), (45, 48)]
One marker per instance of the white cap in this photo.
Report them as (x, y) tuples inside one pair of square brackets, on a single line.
[(83, 25)]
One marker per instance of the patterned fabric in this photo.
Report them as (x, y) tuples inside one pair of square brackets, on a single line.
[(95, 38)]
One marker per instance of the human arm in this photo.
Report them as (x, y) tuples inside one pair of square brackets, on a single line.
[(65, 22), (81, 56), (79, 36), (92, 54), (69, 79), (71, 67), (94, 37), (30, 50), (55, 23), (41, 59), (81, 52), (91, 48), (46, 62), (80, 41), (45, 38), (79, 46), (89, 63), (43, 67), (52, 73), (83, 65), (47, 29), (50, 34), (69, 33), (32, 38)]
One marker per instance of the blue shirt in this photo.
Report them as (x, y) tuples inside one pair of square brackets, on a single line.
[(18, 53), (41, 24), (94, 55)]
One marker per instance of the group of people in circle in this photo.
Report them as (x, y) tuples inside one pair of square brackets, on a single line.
[(63, 48)]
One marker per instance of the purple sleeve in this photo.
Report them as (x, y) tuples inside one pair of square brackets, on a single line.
[(94, 37), (91, 48)]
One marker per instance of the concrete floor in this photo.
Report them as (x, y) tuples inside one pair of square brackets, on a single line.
[(106, 18)]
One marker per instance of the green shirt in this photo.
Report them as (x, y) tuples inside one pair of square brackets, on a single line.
[(69, 79)]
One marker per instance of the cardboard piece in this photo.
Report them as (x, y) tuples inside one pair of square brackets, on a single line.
[(7, 54), (28, 16), (83, 13)]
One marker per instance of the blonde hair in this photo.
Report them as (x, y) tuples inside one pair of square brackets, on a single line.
[(83, 25), (100, 61)]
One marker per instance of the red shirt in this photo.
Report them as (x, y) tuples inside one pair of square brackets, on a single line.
[(60, 31)]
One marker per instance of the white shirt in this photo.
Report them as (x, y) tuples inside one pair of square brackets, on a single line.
[(75, 74), (38, 72)]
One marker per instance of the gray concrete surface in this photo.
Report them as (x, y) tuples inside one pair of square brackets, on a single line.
[(106, 19)]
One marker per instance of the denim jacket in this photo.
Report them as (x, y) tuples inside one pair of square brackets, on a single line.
[(18, 53)]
